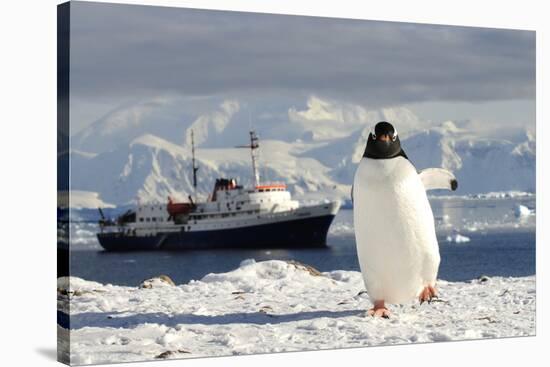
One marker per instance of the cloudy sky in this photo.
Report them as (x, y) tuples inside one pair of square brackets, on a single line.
[(122, 54)]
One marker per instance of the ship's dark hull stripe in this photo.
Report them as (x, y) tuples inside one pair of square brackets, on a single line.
[(308, 232)]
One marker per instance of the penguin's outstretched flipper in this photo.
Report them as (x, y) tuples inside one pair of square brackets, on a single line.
[(438, 178)]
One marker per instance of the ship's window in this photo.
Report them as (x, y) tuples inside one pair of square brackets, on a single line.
[(154, 219), (261, 190), (141, 219)]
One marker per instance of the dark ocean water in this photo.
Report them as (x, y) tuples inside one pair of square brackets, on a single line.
[(493, 254), (500, 245)]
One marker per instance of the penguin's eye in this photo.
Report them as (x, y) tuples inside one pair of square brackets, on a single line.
[(394, 136), (373, 134)]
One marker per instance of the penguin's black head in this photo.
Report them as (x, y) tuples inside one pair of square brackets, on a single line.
[(383, 142)]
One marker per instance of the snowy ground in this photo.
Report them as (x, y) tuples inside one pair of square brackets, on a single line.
[(275, 306)]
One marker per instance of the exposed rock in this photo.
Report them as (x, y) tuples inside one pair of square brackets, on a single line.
[(265, 309), (77, 292), (163, 280), (483, 279), (171, 353), (310, 269)]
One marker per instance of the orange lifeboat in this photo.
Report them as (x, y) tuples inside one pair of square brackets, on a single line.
[(178, 208)]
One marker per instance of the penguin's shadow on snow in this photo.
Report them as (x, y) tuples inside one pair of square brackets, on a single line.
[(118, 320)]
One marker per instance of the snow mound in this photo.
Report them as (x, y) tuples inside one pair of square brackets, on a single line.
[(252, 276), (75, 284), (458, 238)]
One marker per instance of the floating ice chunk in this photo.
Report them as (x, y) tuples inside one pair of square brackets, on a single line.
[(502, 195), (472, 227), (522, 211), (341, 228), (458, 238)]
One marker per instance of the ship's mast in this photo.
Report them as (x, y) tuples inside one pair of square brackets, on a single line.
[(254, 154), (195, 168), (254, 145)]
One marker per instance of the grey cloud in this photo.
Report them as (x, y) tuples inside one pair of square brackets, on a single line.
[(124, 50)]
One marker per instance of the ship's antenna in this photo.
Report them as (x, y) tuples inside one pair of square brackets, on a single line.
[(254, 145), (195, 168)]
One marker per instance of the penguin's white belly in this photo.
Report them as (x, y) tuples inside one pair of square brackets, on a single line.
[(394, 229)]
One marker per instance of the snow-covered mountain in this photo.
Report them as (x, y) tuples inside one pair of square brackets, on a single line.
[(152, 168), (481, 164), (126, 155), (162, 117)]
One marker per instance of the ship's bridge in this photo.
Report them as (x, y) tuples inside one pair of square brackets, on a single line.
[(270, 187), (236, 200)]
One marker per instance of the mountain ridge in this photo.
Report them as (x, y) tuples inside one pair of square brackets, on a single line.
[(152, 168)]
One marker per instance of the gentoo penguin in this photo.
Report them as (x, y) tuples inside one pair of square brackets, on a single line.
[(394, 224)]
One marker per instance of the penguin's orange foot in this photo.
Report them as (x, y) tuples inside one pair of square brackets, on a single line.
[(427, 294), (379, 310)]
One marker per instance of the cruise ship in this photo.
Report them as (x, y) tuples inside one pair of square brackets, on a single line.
[(261, 216)]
